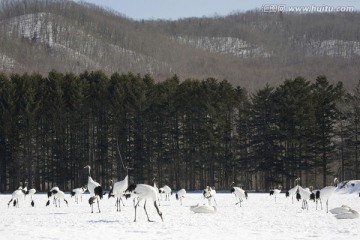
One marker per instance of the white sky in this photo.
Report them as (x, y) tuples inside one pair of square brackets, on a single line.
[(174, 9)]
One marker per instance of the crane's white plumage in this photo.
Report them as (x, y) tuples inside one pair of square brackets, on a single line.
[(291, 192), (351, 214), (56, 188), (16, 195), (95, 190), (31, 192), (209, 193), (345, 212), (274, 192), (305, 195), (325, 194), (342, 209), (203, 208), (146, 193), (167, 191), (180, 195), (157, 191), (118, 190), (240, 194), (58, 195), (78, 192)]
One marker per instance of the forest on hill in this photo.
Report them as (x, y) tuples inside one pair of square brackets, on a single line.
[(184, 133), (247, 49)]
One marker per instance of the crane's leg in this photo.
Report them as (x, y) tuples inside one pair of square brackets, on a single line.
[(158, 211), (135, 206), (146, 211), (327, 205), (98, 204), (321, 204), (10, 202)]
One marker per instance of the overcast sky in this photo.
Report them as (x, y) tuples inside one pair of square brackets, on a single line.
[(174, 9)]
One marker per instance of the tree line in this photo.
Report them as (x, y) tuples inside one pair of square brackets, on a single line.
[(184, 133)]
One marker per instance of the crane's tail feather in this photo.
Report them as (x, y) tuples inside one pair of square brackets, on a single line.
[(98, 192)]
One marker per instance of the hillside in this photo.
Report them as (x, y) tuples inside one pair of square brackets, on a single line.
[(248, 49)]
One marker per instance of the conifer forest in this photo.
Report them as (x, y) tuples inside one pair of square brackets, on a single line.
[(186, 133)]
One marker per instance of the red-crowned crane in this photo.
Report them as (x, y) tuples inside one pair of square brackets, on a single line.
[(180, 195), (143, 192), (118, 190), (325, 193), (293, 191), (78, 192), (58, 195), (210, 193), (240, 194), (95, 190)]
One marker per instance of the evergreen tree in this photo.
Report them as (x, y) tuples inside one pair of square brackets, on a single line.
[(295, 118), (263, 126), (325, 97)]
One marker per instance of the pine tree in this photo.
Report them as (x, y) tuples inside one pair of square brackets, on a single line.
[(325, 97)]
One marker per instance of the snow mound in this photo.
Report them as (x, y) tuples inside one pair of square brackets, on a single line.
[(349, 187)]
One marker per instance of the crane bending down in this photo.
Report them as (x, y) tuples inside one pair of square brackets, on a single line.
[(240, 193), (143, 192), (95, 190), (16, 195), (58, 195)]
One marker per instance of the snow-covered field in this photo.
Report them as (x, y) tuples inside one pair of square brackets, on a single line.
[(259, 217)]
